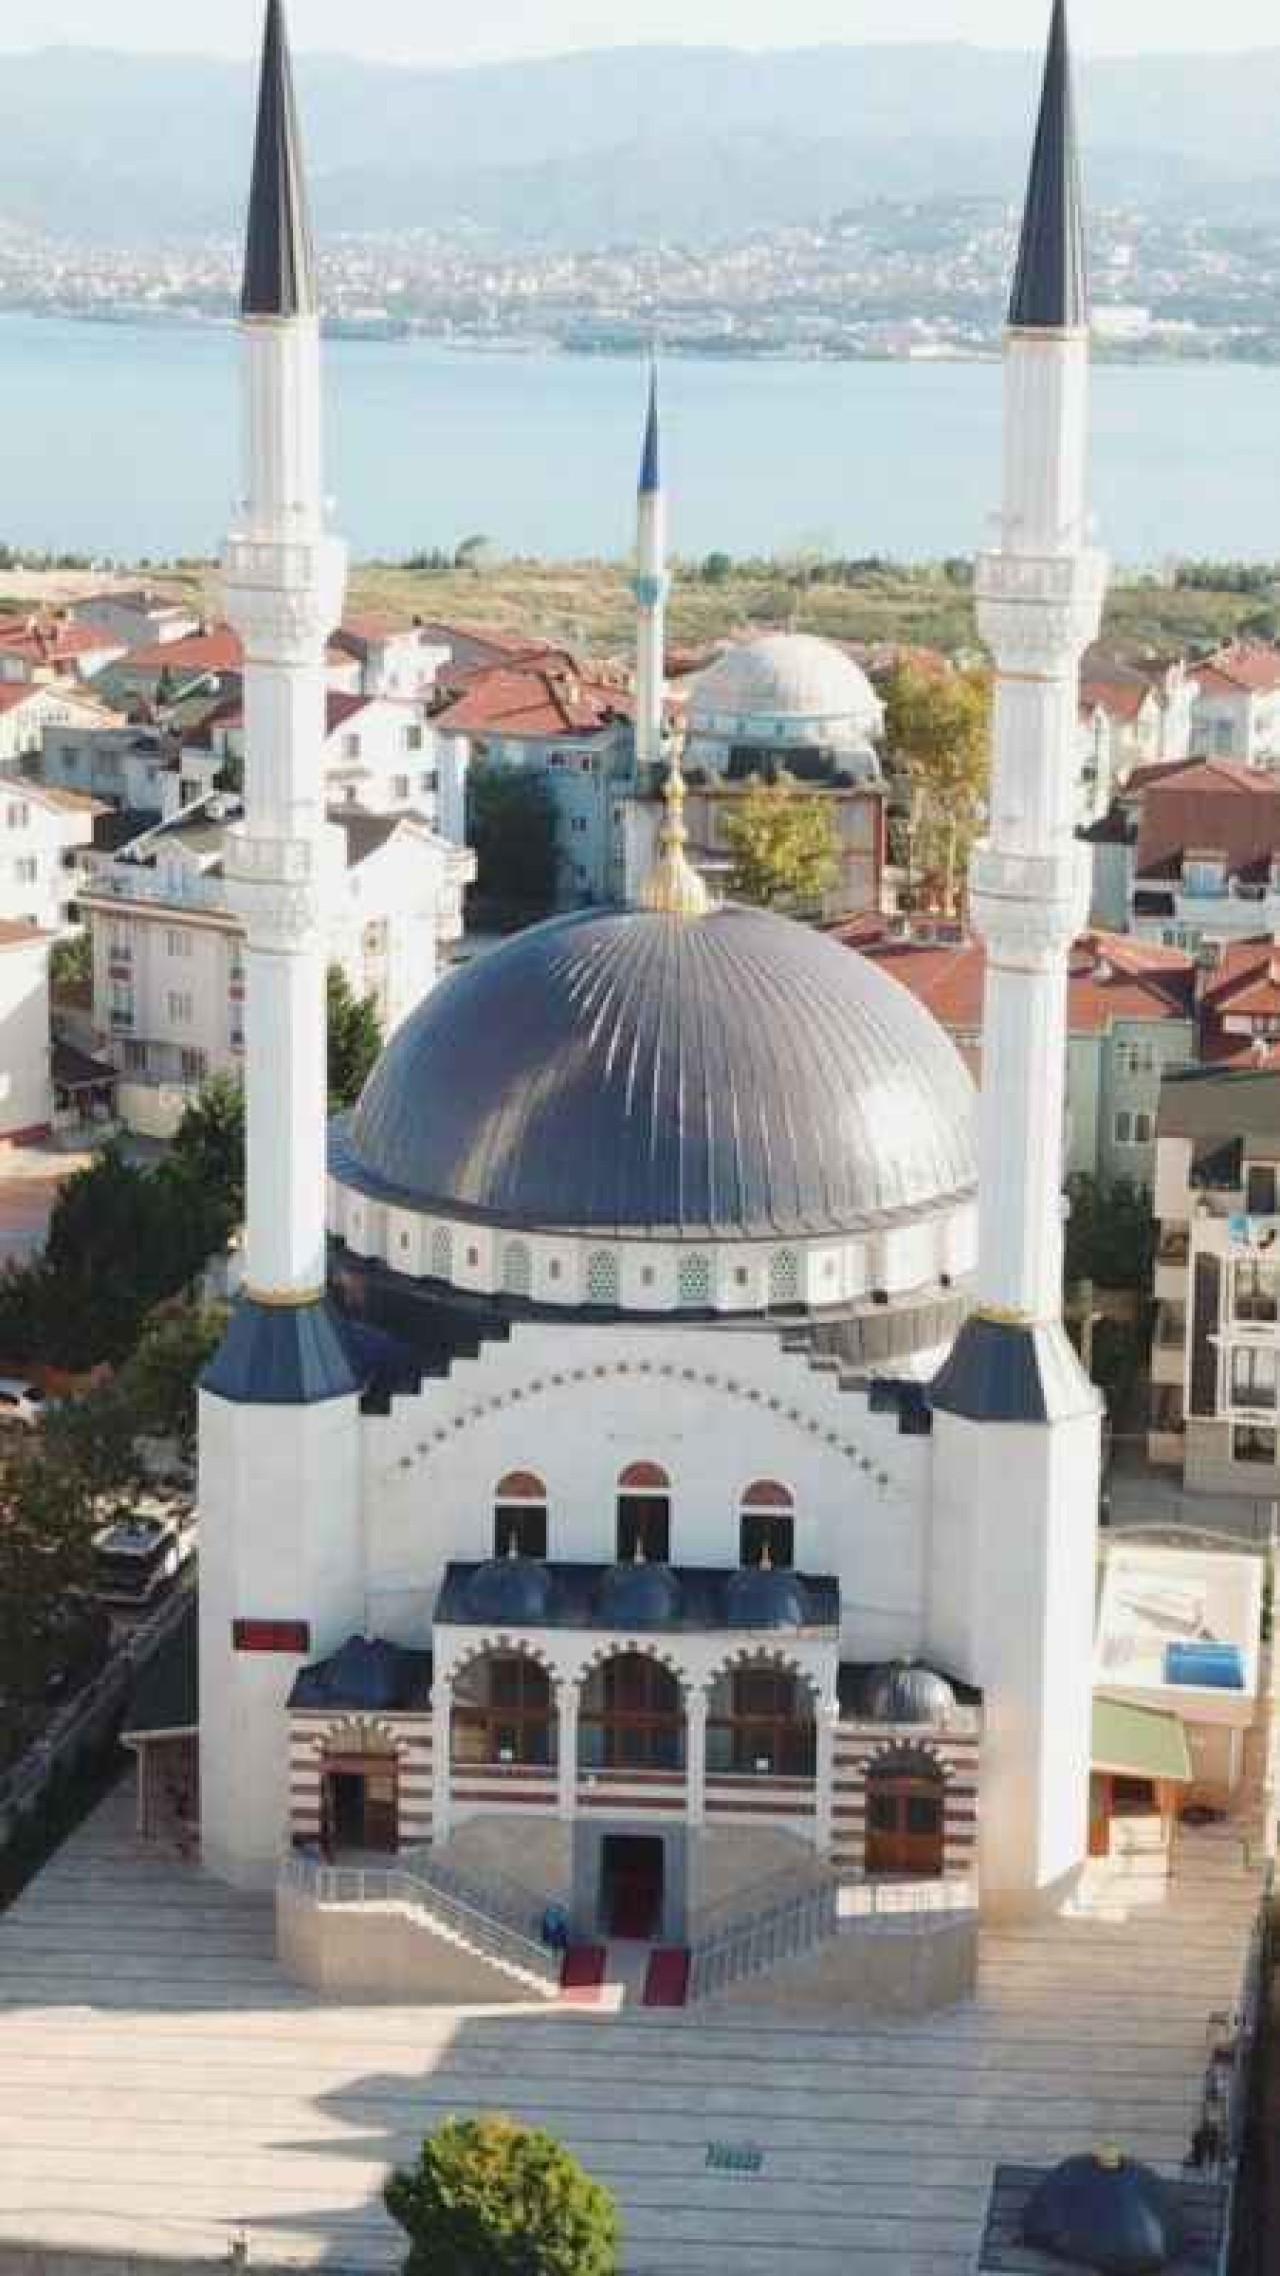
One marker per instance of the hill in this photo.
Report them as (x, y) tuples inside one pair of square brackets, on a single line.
[(610, 144)]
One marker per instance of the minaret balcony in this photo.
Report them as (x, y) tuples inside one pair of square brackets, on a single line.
[(1039, 611), (283, 595), (1034, 903)]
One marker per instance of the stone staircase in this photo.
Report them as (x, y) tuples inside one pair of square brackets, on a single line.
[(455, 1941), (903, 1947)]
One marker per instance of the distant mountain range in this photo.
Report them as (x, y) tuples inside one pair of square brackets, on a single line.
[(601, 146)]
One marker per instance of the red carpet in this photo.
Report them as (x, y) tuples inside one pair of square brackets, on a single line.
[(582, 1974), (667, 1983)]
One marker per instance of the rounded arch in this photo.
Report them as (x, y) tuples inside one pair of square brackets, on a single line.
[(525, 1647), (644, 1478), (762, 1717), (643, 1514), (357, 1734), (631, 1715), (767, 1493), (504, 1714), (520, 1486), (767, 1524)]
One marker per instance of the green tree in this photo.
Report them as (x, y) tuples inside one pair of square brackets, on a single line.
[(717, 569), (355, 1040), (490, 2198), (785, 844), (938, 730), (157, 1387), (47, 1523), (512, 825), (1110, 1237), (71, 964), (209, 1142)]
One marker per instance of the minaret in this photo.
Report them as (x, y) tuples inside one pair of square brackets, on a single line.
[(1017, 1429), (650, 587), (280, 1564)]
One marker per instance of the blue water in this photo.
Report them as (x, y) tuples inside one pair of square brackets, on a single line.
[(122, 441)]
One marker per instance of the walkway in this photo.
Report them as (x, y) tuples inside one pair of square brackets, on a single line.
[(162, 2087)]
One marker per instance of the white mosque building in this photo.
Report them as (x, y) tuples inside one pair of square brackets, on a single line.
[(648, 1457)]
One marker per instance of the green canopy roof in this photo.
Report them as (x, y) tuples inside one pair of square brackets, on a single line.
[(1140, 1742)]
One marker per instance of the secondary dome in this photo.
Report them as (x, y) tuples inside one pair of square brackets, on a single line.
[(782, 698), (639, 1596), (904, 1692), (623, 1071), (514, 1589), (767, 1596)]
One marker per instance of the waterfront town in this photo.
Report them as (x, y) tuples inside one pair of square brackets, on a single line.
[(639, 1393)]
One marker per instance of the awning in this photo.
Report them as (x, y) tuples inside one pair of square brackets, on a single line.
[(1140, 1742)]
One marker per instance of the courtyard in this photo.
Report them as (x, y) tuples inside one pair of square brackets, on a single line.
[(164, 2089)]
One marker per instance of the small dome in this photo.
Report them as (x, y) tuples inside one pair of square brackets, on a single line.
[(639, 1596), (788, 688), (764, 1596), (1105, 2212), (904, 1692), (513, 1589)]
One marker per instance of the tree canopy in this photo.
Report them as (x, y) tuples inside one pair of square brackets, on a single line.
[(1110, 1236), (785, 844), (938, 731), (355, 1040), (488, 2197), (512, 825), (209, 1141)]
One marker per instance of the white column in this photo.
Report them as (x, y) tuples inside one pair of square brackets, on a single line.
[(567, 1700), (826, 1718), (695, 1755), (284, 582), (441, 1741), (650, 586), (1039, 605)]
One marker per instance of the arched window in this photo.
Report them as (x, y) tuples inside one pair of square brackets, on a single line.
[(520, 1515), (441, 1253), (767, 1534), (603, 1279), (784, 1277), (503, 1713), (517, 1269), (693, 1281), (905, 1815), (644, 1514), (632, 1716), (760, 1724)]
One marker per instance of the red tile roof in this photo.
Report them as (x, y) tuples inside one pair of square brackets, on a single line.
[(1120, 699), (533, 700), (1112, 977), (53, 640), (1208, 806), (216, 649), (1245, 985), (1242, 666)]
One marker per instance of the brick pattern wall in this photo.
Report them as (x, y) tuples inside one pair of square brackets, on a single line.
[(860, 1746), (408, 1737)]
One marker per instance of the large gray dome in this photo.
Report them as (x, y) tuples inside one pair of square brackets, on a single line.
[(626, 1071)]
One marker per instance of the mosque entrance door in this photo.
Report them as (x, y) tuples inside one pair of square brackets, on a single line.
[(632, 1874), (358, 1803), (904, 1824)]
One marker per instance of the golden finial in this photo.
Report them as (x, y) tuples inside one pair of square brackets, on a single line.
[(673, 886)]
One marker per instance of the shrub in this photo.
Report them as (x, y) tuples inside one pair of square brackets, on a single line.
[(491, 2198)]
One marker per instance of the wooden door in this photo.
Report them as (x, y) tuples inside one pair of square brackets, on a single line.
[(904, 1826)]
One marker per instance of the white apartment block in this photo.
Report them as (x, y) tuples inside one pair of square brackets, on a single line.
[(28, 710), (168, 953), (128, 767), (1237, 708), (1215, 1361), (140, 618), (380, 755), (394, 659), (45, 836), (26, 1093)]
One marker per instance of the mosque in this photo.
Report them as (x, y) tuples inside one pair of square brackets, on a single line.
[(647, 1458)]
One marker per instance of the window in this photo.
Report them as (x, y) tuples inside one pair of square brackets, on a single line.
[(194, 1065), (17, 814), (412, 739), (135, 1058), (351, 746), (1257, 1286), (767, 1534), (760, 1724), (400, 786), (179, 1007), (1133, 1127), (1250, 1444), (177, 942), (644, 1514), (1253, 1377), (26, 869), (520, 1515), (1260, 1189), (693, 1280), (603, 1285), (503, 1713), (517, 1269), (1204, 874), (429, 781), (784, 1277), (441, 1253), (1135, 1058), (632, 1716)]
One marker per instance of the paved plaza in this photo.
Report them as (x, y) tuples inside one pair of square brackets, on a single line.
[(162, 2087)]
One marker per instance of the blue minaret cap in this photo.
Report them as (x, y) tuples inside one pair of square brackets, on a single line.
[(279, 266), (650, 473), (1050, 289)]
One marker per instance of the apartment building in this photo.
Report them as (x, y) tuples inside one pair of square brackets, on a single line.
[(1215, 1362), (53, 645), (1237, 707), (139, 617), (1195, 849), (28, 710), (168, 950), (45, 838)]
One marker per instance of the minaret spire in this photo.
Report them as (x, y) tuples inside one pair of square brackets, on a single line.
[(1017, 1423), (650, 461), (1050, 286), (279, 268)]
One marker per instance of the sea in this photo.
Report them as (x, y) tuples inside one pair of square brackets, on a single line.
[(120, 441)]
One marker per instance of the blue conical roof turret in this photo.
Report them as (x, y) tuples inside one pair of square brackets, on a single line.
[(650, 468), (1050, 288), (279, 266)]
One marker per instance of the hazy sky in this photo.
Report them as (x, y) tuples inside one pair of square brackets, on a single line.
[(417, 28)]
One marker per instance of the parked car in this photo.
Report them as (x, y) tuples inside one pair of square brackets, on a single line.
[(22, 1404)]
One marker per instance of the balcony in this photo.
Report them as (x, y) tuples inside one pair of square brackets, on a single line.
[(128, 881)]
